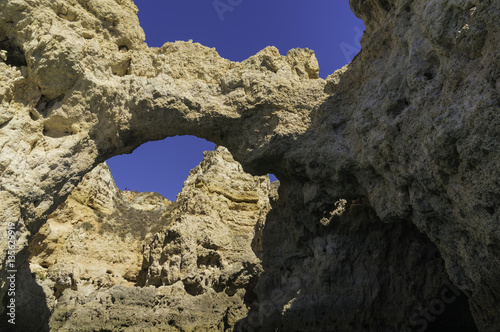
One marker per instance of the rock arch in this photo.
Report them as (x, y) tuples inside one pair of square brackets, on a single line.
[(420, 148)]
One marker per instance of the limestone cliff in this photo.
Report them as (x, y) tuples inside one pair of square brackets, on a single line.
[(100, 250), (93, 240), (407, 135)]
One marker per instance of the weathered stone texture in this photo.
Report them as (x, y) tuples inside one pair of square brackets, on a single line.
[(111, 259), (93, 240), (208, 244), (410, 128)]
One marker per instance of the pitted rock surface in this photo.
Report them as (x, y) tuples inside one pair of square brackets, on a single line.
[(111, 259), (410, 128)]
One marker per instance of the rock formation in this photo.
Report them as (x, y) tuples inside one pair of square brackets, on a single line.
[(108, 259), (407, 135), (93, 240)]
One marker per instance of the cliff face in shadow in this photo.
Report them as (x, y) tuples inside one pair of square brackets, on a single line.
[(405, 137)]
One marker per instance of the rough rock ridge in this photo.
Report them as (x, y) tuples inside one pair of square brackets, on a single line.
[(93, 240), (121, 260), (409, 131)]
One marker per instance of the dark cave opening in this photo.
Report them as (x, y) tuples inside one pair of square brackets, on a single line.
[(454, 316), (14, 56)]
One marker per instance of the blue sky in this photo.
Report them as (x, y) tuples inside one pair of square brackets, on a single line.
[(237, 29)]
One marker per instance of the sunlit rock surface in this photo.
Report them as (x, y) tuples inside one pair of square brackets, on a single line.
[(111, 259), (407, 135)]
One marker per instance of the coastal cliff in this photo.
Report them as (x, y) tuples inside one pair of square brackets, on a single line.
[(387, 217)]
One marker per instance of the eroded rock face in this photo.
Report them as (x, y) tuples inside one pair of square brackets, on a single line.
[(92, 241), (111, 259), (96, 236), (410, 128), (214, 223)]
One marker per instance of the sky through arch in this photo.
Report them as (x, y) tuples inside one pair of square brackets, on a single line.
[(237, 29)]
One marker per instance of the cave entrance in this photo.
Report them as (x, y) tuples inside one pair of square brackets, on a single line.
[(456, 316)]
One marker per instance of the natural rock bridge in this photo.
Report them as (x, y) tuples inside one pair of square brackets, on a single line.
[(407, 134)]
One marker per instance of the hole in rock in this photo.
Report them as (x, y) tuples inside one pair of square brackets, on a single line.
[(455, 316), (159, 166), (209, 260), (13, 55), (192, 287), (429, 75), (385, 5)]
